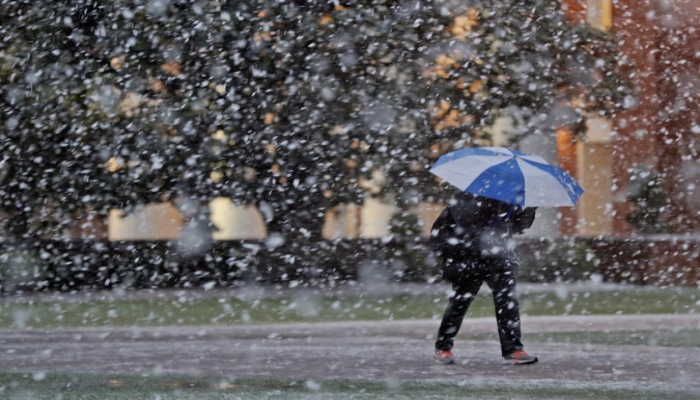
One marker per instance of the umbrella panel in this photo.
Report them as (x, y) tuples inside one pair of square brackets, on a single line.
[(508, 175), (504, 181)]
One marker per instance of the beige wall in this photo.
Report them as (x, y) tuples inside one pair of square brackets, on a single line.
[(151, 222), (164, 222), (375, 218), (343, 221), (372, 219), (236, 222)]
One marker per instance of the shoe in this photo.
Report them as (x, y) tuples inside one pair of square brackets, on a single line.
[(444, 357), (520, 357)]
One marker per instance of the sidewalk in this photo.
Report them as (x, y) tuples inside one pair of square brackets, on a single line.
[(387, 351)]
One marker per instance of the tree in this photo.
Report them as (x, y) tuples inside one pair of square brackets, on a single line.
[(293, 106), (496, 58), (649, 201), (330, 89), (47, 129)]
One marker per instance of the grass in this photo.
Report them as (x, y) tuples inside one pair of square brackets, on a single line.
[(31, 313), (18, 385)]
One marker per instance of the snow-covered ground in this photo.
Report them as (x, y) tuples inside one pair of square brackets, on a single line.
[(382, 350), (388, 351)]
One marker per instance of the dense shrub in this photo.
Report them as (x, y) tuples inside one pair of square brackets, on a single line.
[(89, 264)]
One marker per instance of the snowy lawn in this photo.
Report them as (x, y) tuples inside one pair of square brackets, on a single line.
[(226, 345), (228, 308), (134, 387)]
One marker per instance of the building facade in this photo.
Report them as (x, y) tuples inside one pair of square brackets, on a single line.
[(660, 134)]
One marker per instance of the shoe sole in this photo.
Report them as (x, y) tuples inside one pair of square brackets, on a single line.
[(445, 361), (521, 362)]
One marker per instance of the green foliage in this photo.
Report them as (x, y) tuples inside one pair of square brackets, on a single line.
[(649, 199), (18, 268), (560, 261), (88, 386), (405, 225)]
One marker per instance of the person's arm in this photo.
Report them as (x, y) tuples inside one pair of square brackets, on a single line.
[(441, 231), (523, 219)]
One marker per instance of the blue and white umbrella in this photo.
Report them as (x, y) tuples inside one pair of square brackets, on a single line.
[(508, 175)]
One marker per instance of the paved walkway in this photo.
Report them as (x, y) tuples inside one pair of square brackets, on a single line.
[(384, 351)]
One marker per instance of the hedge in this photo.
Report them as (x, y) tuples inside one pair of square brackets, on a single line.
[(56, 265)]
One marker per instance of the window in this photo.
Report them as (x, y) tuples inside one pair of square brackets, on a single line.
[(599, 14)]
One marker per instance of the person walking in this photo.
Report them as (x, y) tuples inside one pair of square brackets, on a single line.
[(473, 239)]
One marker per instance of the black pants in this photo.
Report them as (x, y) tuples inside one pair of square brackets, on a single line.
[(466, 278)]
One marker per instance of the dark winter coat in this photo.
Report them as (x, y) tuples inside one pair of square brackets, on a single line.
[(476, 226)]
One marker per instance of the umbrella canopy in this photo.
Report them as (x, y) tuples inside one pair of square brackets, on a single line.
[(508, 175)]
